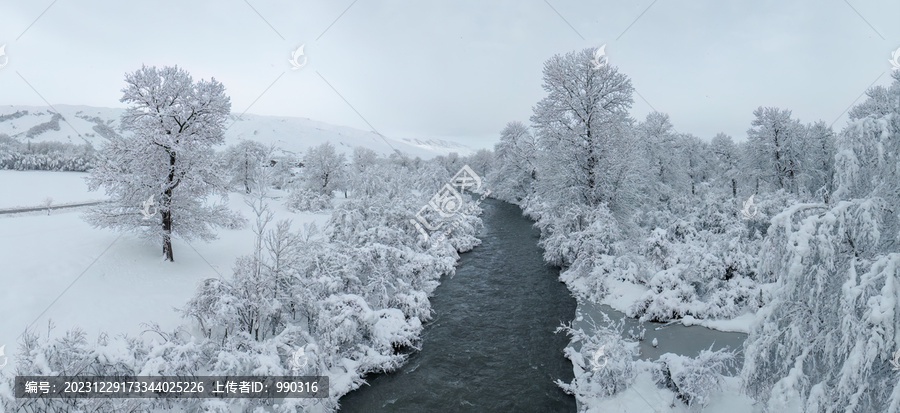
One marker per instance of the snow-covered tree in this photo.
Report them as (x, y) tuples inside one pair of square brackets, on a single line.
[(166, 163), (244, 163), (819, 151), (774, 145), (282, 168), (698, 160), (323, 169), (726, 162), (482, 161), (665, 160), (583, 123), (362, 177), (516, 168)]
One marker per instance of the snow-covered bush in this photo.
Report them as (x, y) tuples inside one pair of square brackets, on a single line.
[(694, 379), (357, 291), (577, 231), (302, 199), (701, 268), (604, 364)]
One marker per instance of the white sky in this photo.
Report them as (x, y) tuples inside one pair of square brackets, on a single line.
[(459, 69)]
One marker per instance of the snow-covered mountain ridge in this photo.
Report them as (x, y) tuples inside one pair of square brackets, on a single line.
[(77, 124)]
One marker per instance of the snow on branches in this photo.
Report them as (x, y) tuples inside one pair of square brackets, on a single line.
[(167, 159)]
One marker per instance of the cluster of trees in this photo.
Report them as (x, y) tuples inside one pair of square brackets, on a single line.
[(640, 202), (45, 156), (52, 124), (644, 203), (828, 336)]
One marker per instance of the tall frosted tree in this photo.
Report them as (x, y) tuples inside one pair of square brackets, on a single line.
[(726, 162), (164, 158), (774, 144), (516, 167), (583, 123), (697, 158), (362, 180), (825, 341), (665, 161), (818, 158)]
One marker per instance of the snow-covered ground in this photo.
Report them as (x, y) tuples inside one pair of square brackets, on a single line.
[(21, 189), (57, 267), (644, 396)]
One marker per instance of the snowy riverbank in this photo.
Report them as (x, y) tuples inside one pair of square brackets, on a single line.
[(643, 394)]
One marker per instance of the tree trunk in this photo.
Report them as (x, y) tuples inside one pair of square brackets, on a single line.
[(167, 235), (779, 170), (246, 174), (166, 211)]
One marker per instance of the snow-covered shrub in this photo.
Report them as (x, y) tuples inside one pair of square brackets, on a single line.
[(391, 329), (604, 364), (72, 354), (577, 231), (302, 199), (694, 379), (669, 297), (699, 272)]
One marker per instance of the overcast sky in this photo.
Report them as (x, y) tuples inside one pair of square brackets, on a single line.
[(460, 69)]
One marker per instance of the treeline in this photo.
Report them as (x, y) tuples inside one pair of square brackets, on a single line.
[(45, 156)]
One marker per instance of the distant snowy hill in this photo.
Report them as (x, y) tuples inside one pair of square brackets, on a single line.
[(42, 124)]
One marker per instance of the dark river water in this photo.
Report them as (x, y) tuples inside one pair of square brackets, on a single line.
[(491, 346)]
